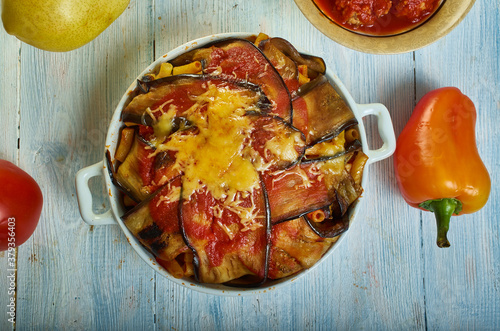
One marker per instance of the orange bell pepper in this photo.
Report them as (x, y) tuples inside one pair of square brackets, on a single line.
[(437, 164)]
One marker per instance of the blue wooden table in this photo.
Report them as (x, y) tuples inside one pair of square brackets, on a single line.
[(386, 274)]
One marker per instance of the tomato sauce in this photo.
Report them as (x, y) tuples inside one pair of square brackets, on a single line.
[(246, 62), (180, 97), (402, 16), (164, 213), (221, 235), (145, 163), (221, 244)]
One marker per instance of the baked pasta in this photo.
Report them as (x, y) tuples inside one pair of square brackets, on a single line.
[(238, 162)]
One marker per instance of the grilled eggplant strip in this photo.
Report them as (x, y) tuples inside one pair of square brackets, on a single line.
[(286, 67), (196, 219), (142, 173), (224, 248), (295, 247), (320, 112), (112, 175), (275, 140), (241, 59), (346, 193), (315, 65), (258, 279), (155, 224), (281, 264), (176, 88), (296, 192), (331, 227), (286, 59), (136, 172), (243, 83), (129, 175), (316, 183), (179, 91)]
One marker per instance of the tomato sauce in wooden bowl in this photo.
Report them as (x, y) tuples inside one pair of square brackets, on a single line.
[(378, 17)]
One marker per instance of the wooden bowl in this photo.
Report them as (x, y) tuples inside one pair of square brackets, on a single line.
[(449, 15)]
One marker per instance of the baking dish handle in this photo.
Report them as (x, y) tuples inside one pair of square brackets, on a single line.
[(84, 196), (385, 130)]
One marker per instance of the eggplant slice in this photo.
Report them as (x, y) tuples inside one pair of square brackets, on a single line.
[(351, 147), (320, 112), (295, 247), (286, 59), (227, 245), (278, 145), (134, 174), (143, 171), (315, 65), (286, 67), (316, 183), (180, 91), (155, 224), (296, 191), (241, 59), (338, 221)]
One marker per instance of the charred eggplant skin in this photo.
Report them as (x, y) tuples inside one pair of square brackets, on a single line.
[(146, 85)]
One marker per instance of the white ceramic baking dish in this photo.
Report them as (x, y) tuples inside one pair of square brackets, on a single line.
[(112, 216)]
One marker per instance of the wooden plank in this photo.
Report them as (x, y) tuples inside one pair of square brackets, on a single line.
[(9, 110), (462, 282), (72, 275)]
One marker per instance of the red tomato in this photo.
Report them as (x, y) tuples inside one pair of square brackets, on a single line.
[(20, 205)]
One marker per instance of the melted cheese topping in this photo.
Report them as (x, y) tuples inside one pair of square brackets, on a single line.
[(328, 148), (247, 215), (331, 169), (298, 171), (218, 155), (229, 232), (282, 146), (164, 124), (212, 158), (173, 195)]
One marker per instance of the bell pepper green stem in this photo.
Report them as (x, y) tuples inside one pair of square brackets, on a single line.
[(442, 209)]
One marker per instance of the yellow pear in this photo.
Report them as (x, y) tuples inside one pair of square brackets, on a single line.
[(59, 25)]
